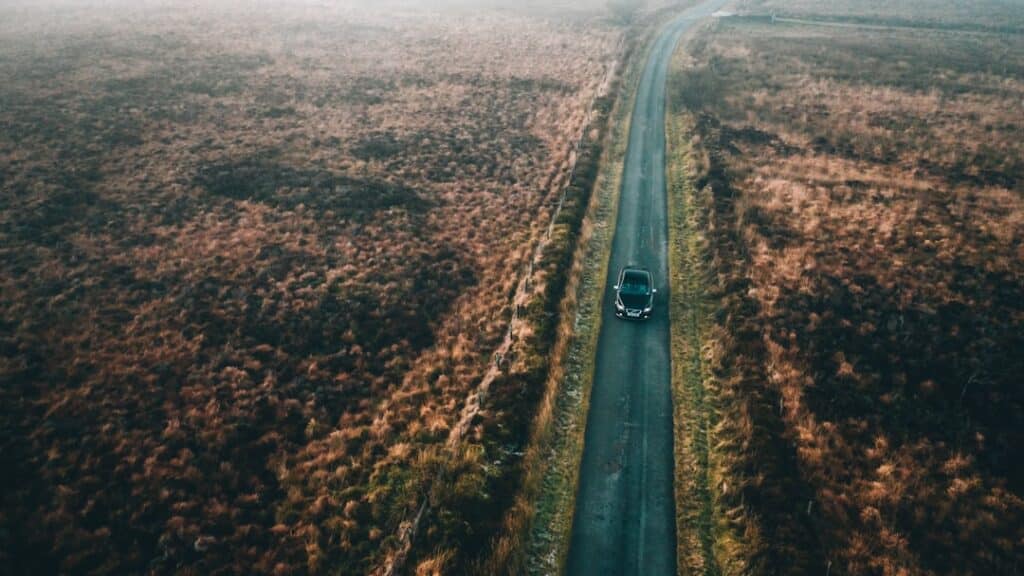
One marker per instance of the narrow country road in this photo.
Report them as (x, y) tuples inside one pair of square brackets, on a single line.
[(624, 520)]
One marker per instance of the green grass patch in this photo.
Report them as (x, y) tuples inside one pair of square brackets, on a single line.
[(707, 544)]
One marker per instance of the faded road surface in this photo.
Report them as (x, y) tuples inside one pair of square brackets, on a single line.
[(624, 521)]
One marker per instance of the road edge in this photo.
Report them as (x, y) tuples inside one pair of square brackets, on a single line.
[(547, 545)]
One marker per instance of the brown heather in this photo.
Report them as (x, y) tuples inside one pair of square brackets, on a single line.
[(866, 222), (251, 265)]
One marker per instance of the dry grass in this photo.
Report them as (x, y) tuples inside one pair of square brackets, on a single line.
[(866, 222), (251, 265), (693, 409)]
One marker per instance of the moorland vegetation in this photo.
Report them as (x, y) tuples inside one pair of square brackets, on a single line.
[(862, 189), (253, 263)]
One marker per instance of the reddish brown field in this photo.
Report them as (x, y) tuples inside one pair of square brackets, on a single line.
[(864, 193), (252, 262)]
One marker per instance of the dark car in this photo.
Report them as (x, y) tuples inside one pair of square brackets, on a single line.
[(634, 293)]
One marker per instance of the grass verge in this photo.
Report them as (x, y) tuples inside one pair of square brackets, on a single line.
[(707, 544)]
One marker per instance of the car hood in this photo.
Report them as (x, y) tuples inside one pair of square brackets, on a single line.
[(635, 301)]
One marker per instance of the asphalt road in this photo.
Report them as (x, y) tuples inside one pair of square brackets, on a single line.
[(624, 520)]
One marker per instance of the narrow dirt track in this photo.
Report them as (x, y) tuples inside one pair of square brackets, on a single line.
[(624, 519)]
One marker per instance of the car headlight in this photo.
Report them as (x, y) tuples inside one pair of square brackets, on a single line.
[(647, 310)]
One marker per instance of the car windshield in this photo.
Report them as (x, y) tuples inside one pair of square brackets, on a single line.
[(634, 283)]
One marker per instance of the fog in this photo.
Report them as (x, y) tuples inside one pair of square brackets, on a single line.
[(45, 20)]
